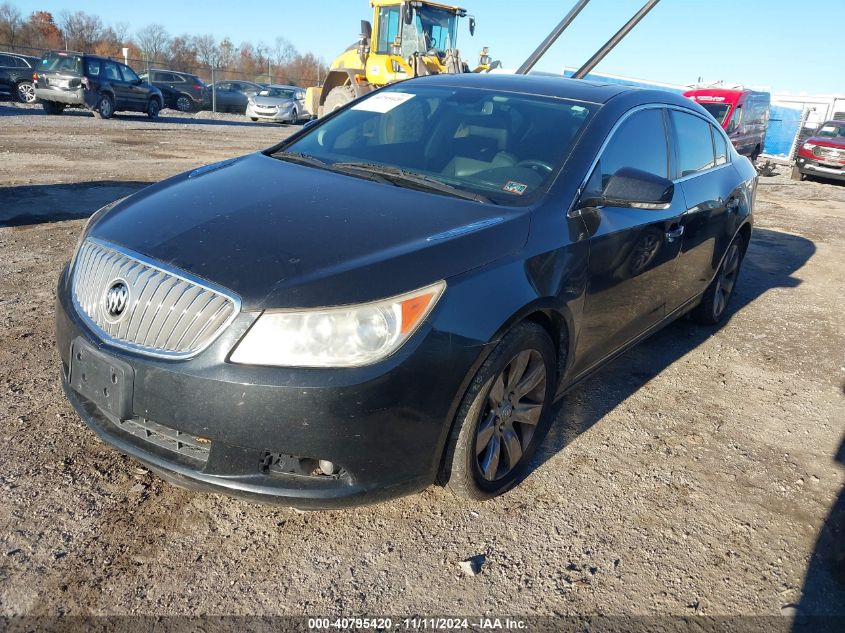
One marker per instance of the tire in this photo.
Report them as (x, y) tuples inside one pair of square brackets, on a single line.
[(153, 108), (51, 107), (797, 175), (104, 108), (184, 103), (25, 92), (755, 154), (338, 97), (507, 435), (294, 117), (252, 118), (714, 303)]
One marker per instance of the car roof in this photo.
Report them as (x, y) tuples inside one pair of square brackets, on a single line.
[(541, 85)]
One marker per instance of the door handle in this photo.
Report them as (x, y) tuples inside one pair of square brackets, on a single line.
[(673, 234)]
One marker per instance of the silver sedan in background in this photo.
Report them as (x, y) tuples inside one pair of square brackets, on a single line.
[(282, 104)]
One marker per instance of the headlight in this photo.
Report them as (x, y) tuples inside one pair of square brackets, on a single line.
[(345, 336), (809, 147)]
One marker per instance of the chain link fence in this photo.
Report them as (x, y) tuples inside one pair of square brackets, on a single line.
[(270, 75)]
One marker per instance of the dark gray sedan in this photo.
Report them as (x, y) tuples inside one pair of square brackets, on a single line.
[(232, 96)]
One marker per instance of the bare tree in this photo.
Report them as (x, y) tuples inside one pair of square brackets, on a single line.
[(206, 49), (81, 30), (11, 23), (153, 40), (283, 52)]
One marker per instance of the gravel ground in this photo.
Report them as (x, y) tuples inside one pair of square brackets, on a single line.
[(701, 473)]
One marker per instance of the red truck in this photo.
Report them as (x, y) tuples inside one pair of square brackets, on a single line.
[(744, 115), (823, 154)]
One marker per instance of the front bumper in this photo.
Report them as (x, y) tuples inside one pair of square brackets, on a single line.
[(384, 426), (279, 116), (821, 169)]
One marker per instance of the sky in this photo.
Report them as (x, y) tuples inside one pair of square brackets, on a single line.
[(760, 43)]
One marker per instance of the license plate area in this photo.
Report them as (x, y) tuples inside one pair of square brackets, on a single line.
[(102, 379)]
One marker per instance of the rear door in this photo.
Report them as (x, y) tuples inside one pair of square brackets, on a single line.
[(632, 251), (713, 197), (6, 69)]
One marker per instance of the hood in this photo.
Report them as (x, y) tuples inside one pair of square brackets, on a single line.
[(272, 101), (286, 235), (826, 141)]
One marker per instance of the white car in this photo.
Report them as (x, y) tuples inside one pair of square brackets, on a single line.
[(282, 104)]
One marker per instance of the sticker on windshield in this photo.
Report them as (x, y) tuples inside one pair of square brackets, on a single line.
[(828, 128), (383, 102), (515, 187)]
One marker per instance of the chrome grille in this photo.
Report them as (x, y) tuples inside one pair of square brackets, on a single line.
[(169, 314), (829, 152)]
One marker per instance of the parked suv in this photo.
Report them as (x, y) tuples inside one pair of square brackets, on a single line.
[(102, 85), (16, 76), (823, 154), (182, 91)]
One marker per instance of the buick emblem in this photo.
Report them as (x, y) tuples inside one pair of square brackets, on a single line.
[(116, 301)]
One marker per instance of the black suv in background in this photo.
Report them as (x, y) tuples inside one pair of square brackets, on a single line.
[(102, 85), (16, 76), (182, 91)]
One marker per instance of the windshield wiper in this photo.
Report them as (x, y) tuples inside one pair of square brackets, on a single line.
[(304, 159), (397, 175)]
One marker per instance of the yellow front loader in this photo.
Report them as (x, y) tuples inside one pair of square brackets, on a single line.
[(407, 38)]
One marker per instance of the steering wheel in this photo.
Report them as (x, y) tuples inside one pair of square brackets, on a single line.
[(536, 165)]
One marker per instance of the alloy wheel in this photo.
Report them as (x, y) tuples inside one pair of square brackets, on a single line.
[(26, 92), (183, 104), (726, 280), (511, 415)]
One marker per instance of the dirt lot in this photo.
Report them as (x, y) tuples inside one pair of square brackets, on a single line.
[(702, 473)]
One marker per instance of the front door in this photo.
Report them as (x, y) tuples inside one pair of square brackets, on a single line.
[(632, 251)]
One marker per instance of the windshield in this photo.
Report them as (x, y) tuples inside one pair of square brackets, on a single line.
[(504, 147), (832, 129), (718, 110), (281, 93), (58, 62)]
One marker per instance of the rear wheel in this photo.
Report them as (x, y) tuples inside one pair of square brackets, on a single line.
[(26, 92), (714, 303), (338, 97), (183, 103), (294, 116), (756, 154), (504, 415), (104, 108), (51, 107)]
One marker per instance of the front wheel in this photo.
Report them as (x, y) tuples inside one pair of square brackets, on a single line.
[(714, 303), (338, 97), (504, 415), (26, 92), (153, 108)]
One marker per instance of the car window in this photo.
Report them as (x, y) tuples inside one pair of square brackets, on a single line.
[(61, 63), (110, 71), (92, 67), (505, 146), (695, 143), (129, 74), (6, 60), (639, 142), (736, 119), (721, 145), (831, 129)]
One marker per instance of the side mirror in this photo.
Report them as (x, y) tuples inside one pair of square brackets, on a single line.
[(407, 13), (472, 26), (633, 188), (366, 30)]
